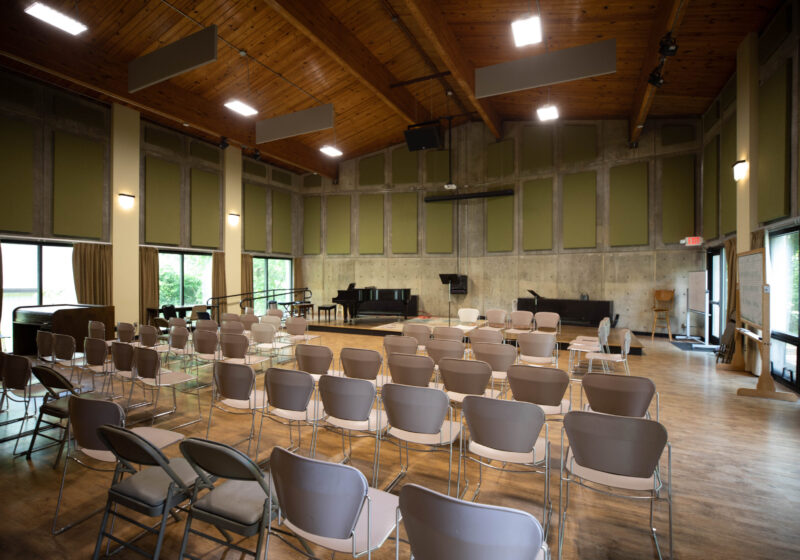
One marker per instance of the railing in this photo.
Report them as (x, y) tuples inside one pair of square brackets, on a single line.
[(247, 299)]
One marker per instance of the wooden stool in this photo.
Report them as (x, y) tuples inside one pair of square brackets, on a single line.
[(662, 307), (327, 309), (302, 308)]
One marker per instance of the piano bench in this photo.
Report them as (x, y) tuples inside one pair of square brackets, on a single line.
[(327, 309)]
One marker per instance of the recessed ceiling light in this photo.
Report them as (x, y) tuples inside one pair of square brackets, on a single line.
[(330, 151), (241, 108), (55, 18), (547, 112), (527, 31)]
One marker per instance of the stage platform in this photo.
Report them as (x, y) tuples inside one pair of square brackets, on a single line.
[(383, 325)]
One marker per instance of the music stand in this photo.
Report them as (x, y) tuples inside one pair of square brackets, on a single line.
[(448, 280)]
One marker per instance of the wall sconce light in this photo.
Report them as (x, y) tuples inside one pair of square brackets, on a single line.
[(740, 169), (233, 219), (126, 201)]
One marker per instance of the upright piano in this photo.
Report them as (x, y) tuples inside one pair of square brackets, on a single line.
[(374, 301), (585, 312), (61, 319)]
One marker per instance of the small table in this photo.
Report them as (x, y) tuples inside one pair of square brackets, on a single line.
[(302, 308), (327, 309)]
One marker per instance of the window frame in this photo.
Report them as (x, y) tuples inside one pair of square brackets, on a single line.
[(777, 335), (182, 254), (39, 260), (266, 260)]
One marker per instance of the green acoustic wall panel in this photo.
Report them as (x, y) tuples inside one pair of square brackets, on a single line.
[(253, 168), (579, 210), (677, 198), (711, 189), (312, 180), (68, 107), (439, 227), (201, 150), (775, 33), (578, 143), (500, 159), (16, 180), (500, 222), (774, 111), (537, 214), (727, 186), (312, 225), (163, 139), (282, 177), (711, 116), (371, 170), (255, 217), (405, 166), (437, 168), (728, 95), (337, 225), (677, 134), (536, 152), (404, 222), (281, 221), (162, 202), (628, 212), (370, 224), (79, 170), (18, 92), (204, 208)]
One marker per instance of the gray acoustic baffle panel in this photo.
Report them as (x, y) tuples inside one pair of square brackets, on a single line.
[(294, 124), (594, 59), (176, 58)]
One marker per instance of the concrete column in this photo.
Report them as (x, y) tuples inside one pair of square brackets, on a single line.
[(125, 222), (232, 180), (746, 140)]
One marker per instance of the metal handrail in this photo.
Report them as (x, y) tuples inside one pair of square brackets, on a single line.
[(249, 297)]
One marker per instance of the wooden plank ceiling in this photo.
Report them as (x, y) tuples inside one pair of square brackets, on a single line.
[(353, 53)]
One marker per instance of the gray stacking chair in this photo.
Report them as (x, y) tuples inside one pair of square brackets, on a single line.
[(404, 344), (160, 486), (240, 504), (617, 456), (538, 349), (290, 402), (496, 318), (264, 339), (420, 416), (448, 333), (205, 325), (235, 392), (521, 321), (360, 363), (205, 344), (606, 358), (248, 320), (420, 332), (275, 312), (176, 322), (500, 357), (126, 332), (229, 317), (440, 527), (233, 347), (95, 353), (441, 349), (314, 359), (492, 336), (44, 347), (233, 326), (149, 337), (547, 321), (330, 505), (620, 395), (297, 330), (545, 387), (97, 330), (178, 345), (411, 369), (468, 315), (122, 362), (465, 377), (273, 320), (65, 356), (514, 435), (17, 387)]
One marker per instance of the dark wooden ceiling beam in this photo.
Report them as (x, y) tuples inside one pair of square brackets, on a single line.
[(432, 22), (669, 18), (324, 29)]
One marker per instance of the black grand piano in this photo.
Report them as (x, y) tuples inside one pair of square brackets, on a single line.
[(376, 301), (586, 312)]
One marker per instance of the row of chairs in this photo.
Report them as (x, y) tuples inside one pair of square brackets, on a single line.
[(521, 321)]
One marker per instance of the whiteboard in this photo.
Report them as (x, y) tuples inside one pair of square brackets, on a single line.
[(751, 282), (697, 291)]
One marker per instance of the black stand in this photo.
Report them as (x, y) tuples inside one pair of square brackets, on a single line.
[(448, 280)]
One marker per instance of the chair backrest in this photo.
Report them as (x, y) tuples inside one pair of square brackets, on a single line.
[(346, 398), (485, 335), (148, 335), (249, 310), (663, 298), (275, 312), (222, 461), (273, 320), (204, 315), (234, 381), (232, 327), (169, 311), (178, 337), (547, 320), (95, 350), (63, 346), (313, 358), (538, 385), (615, 444), (445, 528), (625, 347), (16, 371), (499, 356), (44, 343), (125, 332), (440, 349), (234, 345), (620, 395), (421, 332), (205, 342), (176, 322), (448, 333), (289, 389), (536, 344), (393, 343), (521, 319), (97, 330), (296, 326), (468, 315), (410, 369), (505, 425), (470, 377), (86, 415), (53, 382), (420, 410), (146, 362), (361, 363), (229, 317), (122, 356), (318, 497), (205, 325), (496, 317), (248, 321), (196, 309), (262, 333)]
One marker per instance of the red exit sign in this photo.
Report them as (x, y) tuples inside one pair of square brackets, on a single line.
[(692, 241)]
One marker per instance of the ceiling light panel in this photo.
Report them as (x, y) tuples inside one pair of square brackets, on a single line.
[(330, 151), (547, 113), (241, 108), (527, 31), (55, 18)]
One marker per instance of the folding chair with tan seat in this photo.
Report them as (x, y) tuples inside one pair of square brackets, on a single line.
[(662, 309)]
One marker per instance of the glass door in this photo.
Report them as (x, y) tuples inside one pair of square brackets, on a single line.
[(716, 283)]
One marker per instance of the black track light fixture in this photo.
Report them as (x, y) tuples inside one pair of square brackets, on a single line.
[(223, 143), (668, 46), (656, 79)]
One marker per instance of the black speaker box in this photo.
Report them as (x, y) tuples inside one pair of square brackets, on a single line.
[(460, 285), (424, 138)]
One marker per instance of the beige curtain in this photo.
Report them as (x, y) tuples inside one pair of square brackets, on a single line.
[(730, 260), (218, 281), (148, 281), (92, 272), (757, 239), (1, 286), (247, 277)]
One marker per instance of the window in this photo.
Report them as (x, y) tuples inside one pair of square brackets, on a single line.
[(184, 278), (274, 275), (35, 274), (784, 281)]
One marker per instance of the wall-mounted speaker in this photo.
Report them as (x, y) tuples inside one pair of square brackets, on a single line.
[(424, 137)]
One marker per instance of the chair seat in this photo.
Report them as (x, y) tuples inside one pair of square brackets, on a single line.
[(307, 415), (517, 331), (35, 390), (206, 357), (459, 397), (502, 375), (96, 369), (295, 338), (157, 436), (124, 373), (150, 485), (368, 425), (466, 328), (562, 408), (584, 347), (239, 500), (491, 328), (534, 456), (605, 357), (258, 400), (608, 479), (167, 378), (446, 435), (75, 356), (334, 372), (60, 407), (588, 408), (536, 360), (272, 345)]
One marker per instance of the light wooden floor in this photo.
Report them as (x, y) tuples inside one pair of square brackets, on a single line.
[(736, 477)]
